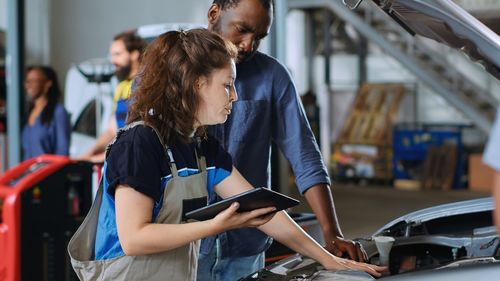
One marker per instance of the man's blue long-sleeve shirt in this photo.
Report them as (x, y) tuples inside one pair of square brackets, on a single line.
[(268, 109)]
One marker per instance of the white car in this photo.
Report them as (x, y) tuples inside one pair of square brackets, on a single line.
[(456, 241)]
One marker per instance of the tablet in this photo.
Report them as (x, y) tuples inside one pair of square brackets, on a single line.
[(249, 200)]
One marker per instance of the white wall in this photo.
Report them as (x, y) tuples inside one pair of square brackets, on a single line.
[(3, 28), (296, 62), (3, 14), (80, 30), (37, 31)]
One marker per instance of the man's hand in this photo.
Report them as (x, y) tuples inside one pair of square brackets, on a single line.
[(342, 247), (93, 158), (320, 199)]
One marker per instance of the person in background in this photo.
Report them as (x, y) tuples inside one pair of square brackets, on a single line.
[(269, 109), (492, 158), (47, 130), (164, 159), (125, 51)]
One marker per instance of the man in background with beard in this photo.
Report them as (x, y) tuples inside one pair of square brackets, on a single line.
[(125, 51)]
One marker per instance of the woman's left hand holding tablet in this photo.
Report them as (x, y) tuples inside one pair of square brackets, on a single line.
[(231, 218)]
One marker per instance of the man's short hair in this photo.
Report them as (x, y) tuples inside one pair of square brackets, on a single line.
[(132, 41), (227, 4)]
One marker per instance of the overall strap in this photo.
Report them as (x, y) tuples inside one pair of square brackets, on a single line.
[(171, 161), (200, 156)]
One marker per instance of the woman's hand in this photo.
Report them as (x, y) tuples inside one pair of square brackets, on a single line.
[(231, 219), (336, 263)]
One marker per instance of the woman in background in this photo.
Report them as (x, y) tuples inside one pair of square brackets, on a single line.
[(47, 129)]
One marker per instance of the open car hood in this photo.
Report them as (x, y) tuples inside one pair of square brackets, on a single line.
[(438, 213), (446, 22)]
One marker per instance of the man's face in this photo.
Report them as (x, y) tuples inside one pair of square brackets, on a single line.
[(121, 59), (245, 25)]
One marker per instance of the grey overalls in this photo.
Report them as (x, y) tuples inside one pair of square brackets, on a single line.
[(177, 264)]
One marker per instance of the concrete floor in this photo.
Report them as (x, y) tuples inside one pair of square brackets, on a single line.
[(364, 209)]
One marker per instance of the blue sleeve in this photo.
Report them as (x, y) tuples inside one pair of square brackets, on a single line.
[(293, 135), (62, 130), (492, 153), (219, 163)]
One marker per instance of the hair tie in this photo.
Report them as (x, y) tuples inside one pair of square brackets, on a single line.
[(182, 35)]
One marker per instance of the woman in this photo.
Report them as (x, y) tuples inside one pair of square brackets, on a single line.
[(47, 129), (160, 165)]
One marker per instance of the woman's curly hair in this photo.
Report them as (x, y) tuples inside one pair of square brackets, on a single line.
[(166, 97)]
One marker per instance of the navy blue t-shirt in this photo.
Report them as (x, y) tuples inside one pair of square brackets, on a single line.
[(138, 159)]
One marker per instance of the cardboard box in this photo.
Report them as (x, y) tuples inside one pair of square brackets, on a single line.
[(404, 184), (480, 174)]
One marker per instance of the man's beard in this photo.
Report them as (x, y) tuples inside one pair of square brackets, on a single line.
[(122, 73)]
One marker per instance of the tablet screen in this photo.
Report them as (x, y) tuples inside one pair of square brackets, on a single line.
[(249, 200)]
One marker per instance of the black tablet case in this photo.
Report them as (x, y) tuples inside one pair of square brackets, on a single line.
[(249, 200)]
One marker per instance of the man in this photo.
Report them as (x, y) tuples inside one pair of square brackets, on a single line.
[(125, 51), (268, 109), (492, 158)]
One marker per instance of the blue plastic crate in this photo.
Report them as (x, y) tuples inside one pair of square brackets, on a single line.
[(411, 142)]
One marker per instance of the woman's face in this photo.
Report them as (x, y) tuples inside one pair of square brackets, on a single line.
[(217, 94), (36, 84)]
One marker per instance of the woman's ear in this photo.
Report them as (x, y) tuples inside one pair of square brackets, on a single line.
[(199, 82)]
